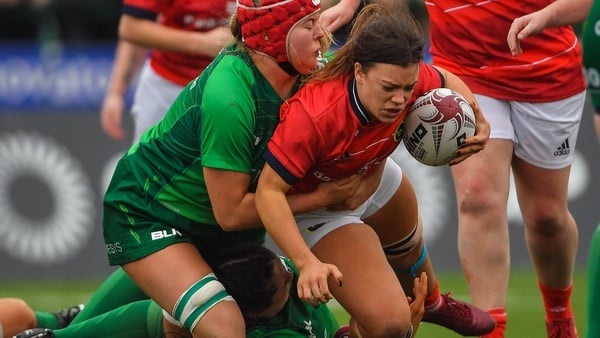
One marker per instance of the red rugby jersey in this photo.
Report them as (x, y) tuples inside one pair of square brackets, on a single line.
[(191, 15), (468, 38), (325, 132)]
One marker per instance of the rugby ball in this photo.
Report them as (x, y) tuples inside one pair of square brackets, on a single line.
[(436, 126)]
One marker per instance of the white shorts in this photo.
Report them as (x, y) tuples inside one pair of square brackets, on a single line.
[(544, 134), (316, 224), (153, 97)]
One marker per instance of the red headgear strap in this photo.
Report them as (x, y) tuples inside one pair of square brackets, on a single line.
[(265, 27)]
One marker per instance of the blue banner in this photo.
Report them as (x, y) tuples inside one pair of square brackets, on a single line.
[(66, 78)]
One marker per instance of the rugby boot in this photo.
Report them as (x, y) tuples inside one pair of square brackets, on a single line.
[(561, 328), (66, 316), (460, 317), (35, 333)]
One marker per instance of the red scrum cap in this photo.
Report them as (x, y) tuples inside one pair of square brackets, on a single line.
[(266, 23)]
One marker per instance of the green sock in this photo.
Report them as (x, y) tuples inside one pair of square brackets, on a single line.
[(138, 319), (593, 280), (118, 289), (46, 319)]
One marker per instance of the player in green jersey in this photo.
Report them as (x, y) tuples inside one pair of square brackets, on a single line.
[(264, 286), (186, 188)]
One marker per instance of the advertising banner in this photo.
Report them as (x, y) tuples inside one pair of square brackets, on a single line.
[(55, 163)]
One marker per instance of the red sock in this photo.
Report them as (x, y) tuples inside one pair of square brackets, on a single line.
[(434, 300), (557, 302), (499, 314)]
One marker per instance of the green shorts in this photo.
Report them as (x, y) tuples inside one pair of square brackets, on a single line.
[(135, 226)]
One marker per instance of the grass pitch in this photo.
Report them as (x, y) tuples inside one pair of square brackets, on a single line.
[(525, 311)]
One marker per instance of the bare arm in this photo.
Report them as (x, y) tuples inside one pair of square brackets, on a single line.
[(127, 64), (339, 14), (557, 13), (279, 221), (152, 34), (234, 207), (477, 142), (417, 305), (336, 15)]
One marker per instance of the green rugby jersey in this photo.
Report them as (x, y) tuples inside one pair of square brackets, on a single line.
[(223, 119), (297, 319)]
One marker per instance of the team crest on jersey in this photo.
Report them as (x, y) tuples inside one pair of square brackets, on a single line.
[(344, 158), (398, 133)]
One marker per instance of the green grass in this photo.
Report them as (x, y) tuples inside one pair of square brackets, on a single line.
[(525, 311), (524, 305)]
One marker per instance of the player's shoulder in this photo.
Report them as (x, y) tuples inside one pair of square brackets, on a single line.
[(320, 98), (231, 70)]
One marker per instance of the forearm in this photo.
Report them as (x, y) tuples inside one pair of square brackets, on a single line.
[(352, 4), (245, 215), (567, 12), (279, 222), (154, 35), (127, 63)]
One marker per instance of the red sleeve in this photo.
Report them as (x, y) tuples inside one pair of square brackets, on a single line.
[(144, 9), (296, 144)]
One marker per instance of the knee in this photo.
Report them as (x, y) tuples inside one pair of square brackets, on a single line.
[(477, 198), (479, 203), (387, 328), (195, 302), (547, 223), (384, 319), (21, 309), (16, 315)]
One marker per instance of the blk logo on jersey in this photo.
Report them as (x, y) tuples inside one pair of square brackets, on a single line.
[(156, 235)]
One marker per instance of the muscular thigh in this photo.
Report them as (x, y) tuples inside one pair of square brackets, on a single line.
[(370, 287), (399, 216), (166, 274), (482, 181), (540, 191)]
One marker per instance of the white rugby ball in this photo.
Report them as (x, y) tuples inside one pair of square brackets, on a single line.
[(436, 126)]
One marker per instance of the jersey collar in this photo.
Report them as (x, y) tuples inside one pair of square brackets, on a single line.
[(359, 110)]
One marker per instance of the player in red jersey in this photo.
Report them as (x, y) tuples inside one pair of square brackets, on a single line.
[(183, 37), (532, 91), (345, 121)]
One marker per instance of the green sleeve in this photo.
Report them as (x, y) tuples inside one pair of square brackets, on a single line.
[(228, 117)]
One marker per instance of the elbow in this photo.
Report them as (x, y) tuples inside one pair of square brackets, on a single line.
[(123, 32), (126, 29), (230, 223)]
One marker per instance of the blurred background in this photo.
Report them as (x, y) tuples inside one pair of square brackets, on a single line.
[(55, 162), (55, 63)]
